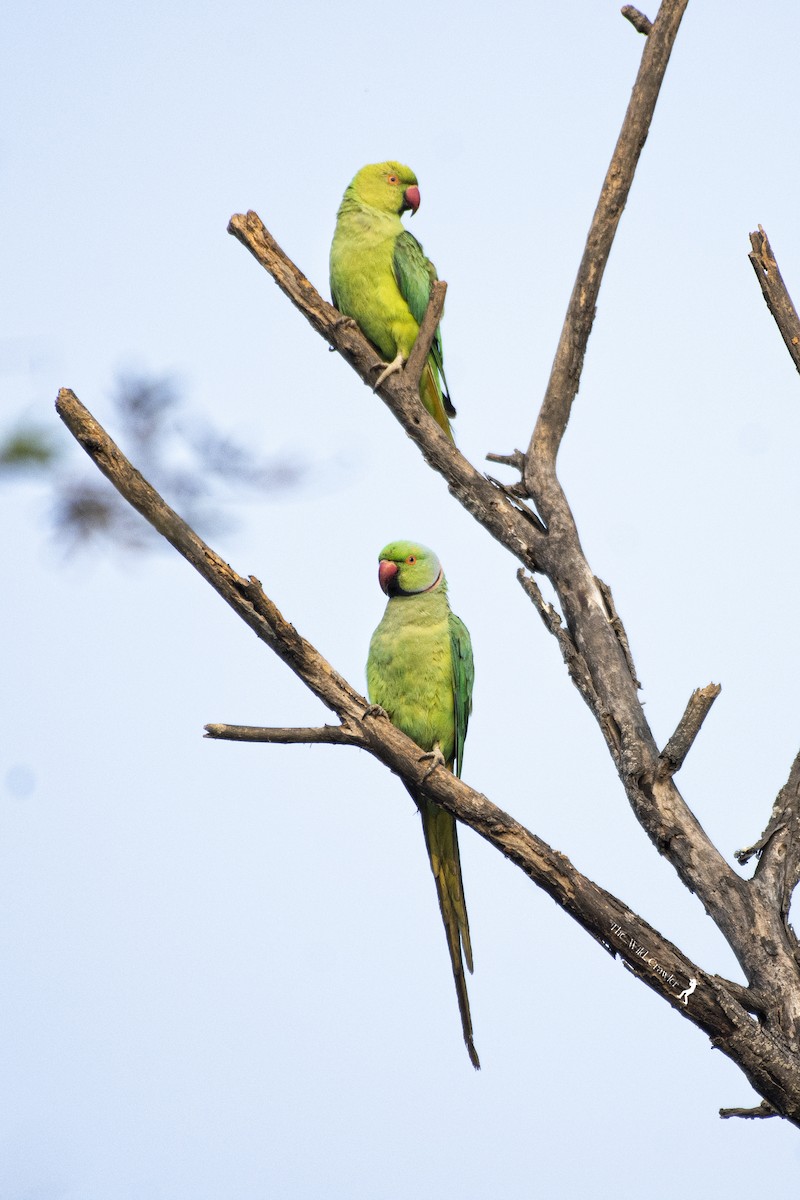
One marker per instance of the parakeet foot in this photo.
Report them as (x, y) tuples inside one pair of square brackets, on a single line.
[(343, 322), (389, 369), (375, 710), (436, 759)]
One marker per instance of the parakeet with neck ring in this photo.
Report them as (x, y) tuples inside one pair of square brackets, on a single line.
[(381, 278), (420, 671)]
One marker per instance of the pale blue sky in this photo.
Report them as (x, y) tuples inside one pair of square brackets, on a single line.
[(223, 971)]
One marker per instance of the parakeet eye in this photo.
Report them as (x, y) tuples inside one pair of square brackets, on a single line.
[(412, 558), (392, 179)]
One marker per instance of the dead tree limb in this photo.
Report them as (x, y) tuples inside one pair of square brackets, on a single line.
[(427, 332), (779, 302), (638, 20), (565, 375), (762, 1111), (323, 735), (673, 756), (720, 1008)]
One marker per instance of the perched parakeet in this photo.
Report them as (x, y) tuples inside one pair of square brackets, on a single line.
[(420, 672), (381, 278)]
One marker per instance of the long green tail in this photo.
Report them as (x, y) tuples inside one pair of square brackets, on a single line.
[(441, 838), (430, 392)]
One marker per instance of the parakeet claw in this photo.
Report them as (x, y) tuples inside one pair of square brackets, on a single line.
[(389, 369), (436, 759), (375, 710)]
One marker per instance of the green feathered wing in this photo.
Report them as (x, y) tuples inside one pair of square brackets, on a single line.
[(463, 681), (416, 275)]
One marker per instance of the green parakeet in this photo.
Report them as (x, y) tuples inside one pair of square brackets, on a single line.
[(381, 278), (420, 672)]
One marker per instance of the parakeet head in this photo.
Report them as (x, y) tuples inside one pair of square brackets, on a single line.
[(407, 569), (389, 186)]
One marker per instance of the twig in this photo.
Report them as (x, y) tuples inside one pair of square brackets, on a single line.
[(516, 459), (672, 757), (764, 1110), (427, 332), (638, 20), (779, 302), (334, 735)]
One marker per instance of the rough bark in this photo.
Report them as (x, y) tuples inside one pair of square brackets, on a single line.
[(777, 298)]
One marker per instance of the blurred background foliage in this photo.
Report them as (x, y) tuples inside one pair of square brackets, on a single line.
[(199, 469)]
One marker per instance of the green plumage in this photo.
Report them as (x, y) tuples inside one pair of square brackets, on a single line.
[(381, 278), (420, 671)]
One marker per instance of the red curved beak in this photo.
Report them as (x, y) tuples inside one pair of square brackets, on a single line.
[(387, 571), (411, 198)]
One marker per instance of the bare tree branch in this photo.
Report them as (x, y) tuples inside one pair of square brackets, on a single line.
[(516, 459), (427, 332), (779, 302), (705, 1000), (673, 756), (333, 735), (764, 1110), (638, 20), (565, 376)]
